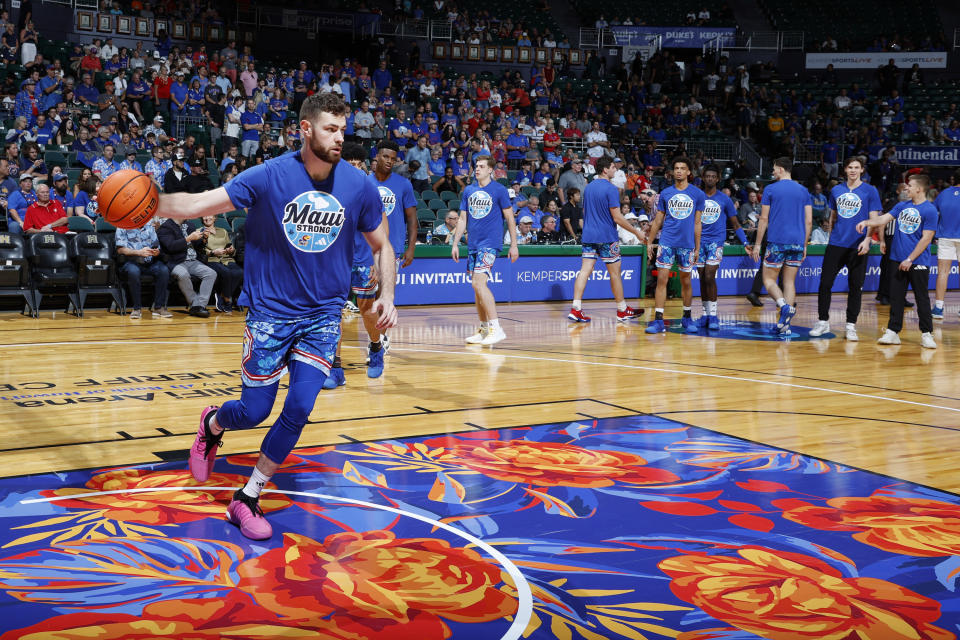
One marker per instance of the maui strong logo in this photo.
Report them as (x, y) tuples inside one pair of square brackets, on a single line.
[(711, 212), (479, 204), (848, 205), (909, 220), (680, 206), (388, 198), (312, 221)]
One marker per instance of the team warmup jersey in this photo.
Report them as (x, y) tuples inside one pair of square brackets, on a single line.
[(852, 206), (910, 221), (598, 198), (484, 207), (679, 207), (713, 221), (396, 193), (300, 234), (786, 223), (948, 203)]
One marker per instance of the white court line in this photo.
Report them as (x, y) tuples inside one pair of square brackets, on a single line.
[(562, 360), (524, 595)]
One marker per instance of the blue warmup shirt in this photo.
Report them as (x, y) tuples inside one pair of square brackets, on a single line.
[(396, 195), (787, 221), (484, 207), (679, 207), (300, 234), (713, 221), (598, 198), (948, 203), (852, 206), (911, 220)]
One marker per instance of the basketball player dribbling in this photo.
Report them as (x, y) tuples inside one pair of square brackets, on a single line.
[(304, 209)]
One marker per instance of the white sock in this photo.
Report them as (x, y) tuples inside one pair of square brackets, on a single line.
[(781, 302), (622, 305), (685, 308), (256, 483), (710, 308), (494, 324), (938, 303), (577, 304), (658, 310), (484, 324)]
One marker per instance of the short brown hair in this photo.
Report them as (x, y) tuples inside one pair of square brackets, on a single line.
[(319, 103), (922, 179), (857, 159), (487, 160)]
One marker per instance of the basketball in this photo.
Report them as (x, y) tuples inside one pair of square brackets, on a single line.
[(128, 199)]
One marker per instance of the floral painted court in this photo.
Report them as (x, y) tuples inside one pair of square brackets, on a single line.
[(635, 527)]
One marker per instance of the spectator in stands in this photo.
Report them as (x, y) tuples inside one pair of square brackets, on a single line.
[(28, 42), (26, 104), (548, 233), (106, 165), (50, 88), (220, 256), (20, 132), (448, 182), (91, 62), (525, 233), (532, 210), (253, 125), (597, 142), (87, 94), (181, 248), (141, 249), (517, 145), (18, 202), (199, 179), (447, 226), (421, 154), (178, 102), (819, 200), (61, 193), (31, 163), (85, 148), (572, 178), (45, 214), (571, 214), (130, 161), (175, 180)]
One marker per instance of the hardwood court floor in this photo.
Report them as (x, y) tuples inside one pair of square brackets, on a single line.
[(105, 390)]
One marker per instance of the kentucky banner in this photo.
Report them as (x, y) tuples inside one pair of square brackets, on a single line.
[(874, 59), (673, 37)]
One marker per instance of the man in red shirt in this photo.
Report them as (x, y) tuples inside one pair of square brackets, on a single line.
[(45, 215)]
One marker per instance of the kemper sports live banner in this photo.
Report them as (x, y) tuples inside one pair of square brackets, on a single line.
[(540, 278), (673, 37), (874, 59), (921, 155)]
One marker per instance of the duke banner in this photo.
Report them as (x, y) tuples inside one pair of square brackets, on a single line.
[(673, 37), (874, 59), (439, 280)]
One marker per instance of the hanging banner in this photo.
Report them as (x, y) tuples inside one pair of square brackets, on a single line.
[(874, 59), (673, 37)]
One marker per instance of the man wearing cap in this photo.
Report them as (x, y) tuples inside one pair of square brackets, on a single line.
[(130, 161), (18, 203), (86, 93), (572, 178), (619, 178), (51, 89), (44, 214), (157, 166), (106, 165), (525, 234), (517, 147), (156, 127), (26, 104), (61, 193), (175, 179), (199, 179)]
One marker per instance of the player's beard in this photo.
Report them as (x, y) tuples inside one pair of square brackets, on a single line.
[(327, 154)]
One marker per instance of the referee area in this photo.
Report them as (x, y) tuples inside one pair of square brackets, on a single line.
[(572, 481)]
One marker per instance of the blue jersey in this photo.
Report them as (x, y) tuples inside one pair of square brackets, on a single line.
[(948, 202), (300, 234), (396, 196), (786, 223), (484, 207), (598, 198), (910, 221), (713, 221), (852, 206), (679, 207)]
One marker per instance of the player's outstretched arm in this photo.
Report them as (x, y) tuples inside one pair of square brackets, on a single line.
[(184, 206), (874, 222), (387, 266)]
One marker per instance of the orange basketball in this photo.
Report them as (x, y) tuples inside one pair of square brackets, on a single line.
[(128, 199)]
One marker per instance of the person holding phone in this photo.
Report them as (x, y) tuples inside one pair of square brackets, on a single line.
[(220, 256)]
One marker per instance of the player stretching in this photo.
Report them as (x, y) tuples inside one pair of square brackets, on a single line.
[(601, 215), (850, 203), (363, 284), (915, 226), (483, 207), (948, 239), (717, 209), (787, 209), (304, 209), (678, 213)]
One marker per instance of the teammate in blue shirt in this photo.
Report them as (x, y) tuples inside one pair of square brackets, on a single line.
[(399, 203), (601, 215), (787, 210), (304, 209), (948, 239), (678, 213), (717, 209), (363, 284), (915, 223), (484, 205), (850, 202)]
